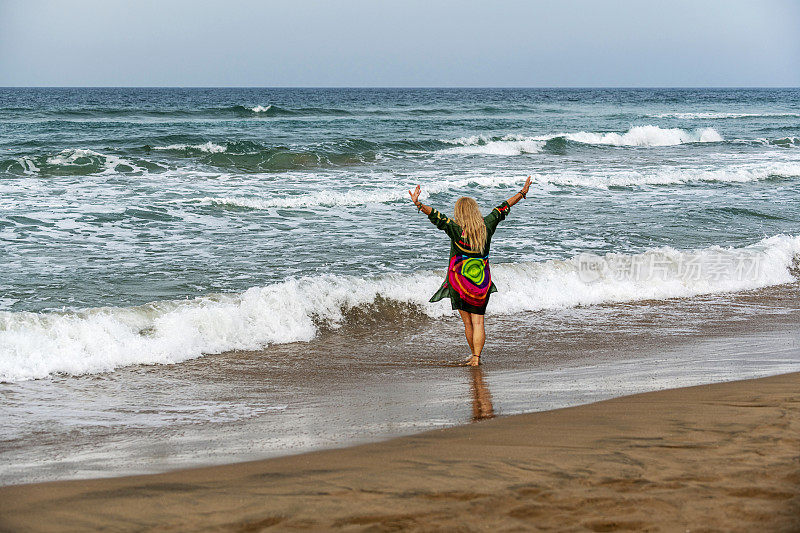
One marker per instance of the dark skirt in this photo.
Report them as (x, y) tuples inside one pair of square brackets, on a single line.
[(459, 304)]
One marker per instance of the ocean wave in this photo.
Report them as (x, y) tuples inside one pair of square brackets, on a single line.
[(208, 147), (271, 110), (268, 110), (19, 165), (505, 145), (715, 115), (784, 142), (282, 158), (636, 136), (663, 176), (251, 156), (351, 146), (77, 162), (36, 345), (84, 161), (245, 156), (671, 176), (648, 136)]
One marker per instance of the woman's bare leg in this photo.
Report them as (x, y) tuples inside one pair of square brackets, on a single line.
[(467, 328), (478, 334)]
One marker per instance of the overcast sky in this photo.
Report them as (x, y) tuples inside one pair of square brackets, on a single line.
[(400, 43)]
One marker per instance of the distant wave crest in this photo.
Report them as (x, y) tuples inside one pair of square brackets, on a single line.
[(720, 115), (648, 136), (505, 145), (207, 147), (671, 176), (636, 136), (271, 110)]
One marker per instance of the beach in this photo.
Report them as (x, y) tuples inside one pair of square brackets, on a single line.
[(721, 457), (200, 278), (249, 256)]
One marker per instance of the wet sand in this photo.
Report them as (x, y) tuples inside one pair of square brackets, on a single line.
[(723, 457)]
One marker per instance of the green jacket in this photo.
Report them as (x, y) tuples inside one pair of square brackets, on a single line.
[(459, 247)]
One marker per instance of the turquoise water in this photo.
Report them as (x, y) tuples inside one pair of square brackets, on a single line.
[(162, 224)]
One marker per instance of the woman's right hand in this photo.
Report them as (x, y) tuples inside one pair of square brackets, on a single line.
[(415, 194)]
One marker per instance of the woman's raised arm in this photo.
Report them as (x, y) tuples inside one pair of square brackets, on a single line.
[(415, 198), (437, 219), (521, 194)]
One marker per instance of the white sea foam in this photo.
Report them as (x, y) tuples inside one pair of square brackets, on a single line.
[(714, 115), (27, 164), (670, 176), (72, 156), (507, 145), (208, 147), (657, 274), (261, 108), (647, 136), (783, 141), (636, 136), (6, 303), (35, 345), (355, 197), (82, 157), (597, 180)]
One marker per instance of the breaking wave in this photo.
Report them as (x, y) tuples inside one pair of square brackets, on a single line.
[(270, 110), (36, 345), (253, 156), (208, 147), (648, 136), (505, 145), (672, 176), (636, 136)]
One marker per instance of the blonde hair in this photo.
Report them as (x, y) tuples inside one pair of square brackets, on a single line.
[(473, 228)]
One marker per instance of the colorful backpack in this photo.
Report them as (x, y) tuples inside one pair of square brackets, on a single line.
[(470, 278)]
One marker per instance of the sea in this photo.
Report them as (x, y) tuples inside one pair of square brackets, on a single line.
[(195, 276)]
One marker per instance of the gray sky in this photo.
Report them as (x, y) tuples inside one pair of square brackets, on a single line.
[(400, 43)]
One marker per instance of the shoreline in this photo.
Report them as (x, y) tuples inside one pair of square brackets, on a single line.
[(358, 399), (722, 456)]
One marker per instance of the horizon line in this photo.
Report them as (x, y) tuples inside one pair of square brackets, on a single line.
[(351, 87)]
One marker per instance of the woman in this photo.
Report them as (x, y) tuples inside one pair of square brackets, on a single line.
[(468, 283)]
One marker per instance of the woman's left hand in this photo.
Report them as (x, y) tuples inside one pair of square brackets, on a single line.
[(415, 194), (526, 186)]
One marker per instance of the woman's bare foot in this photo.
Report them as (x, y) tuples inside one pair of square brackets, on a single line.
[(475, 360)]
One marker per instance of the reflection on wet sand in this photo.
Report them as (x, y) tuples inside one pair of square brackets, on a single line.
[(481, 397)]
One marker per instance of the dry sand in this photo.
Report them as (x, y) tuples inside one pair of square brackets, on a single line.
[(722, 457)]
